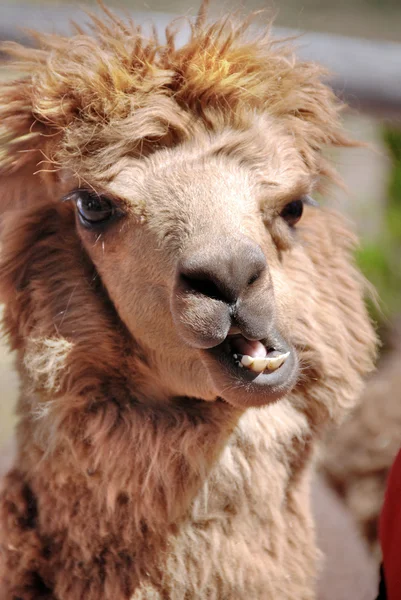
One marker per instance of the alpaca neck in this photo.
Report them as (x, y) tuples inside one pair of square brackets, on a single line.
[(153, 457)]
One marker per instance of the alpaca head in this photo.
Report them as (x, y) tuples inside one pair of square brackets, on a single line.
[(179, 205), (188, 243)]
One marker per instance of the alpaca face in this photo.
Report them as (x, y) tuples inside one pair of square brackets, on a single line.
[(189, 244)]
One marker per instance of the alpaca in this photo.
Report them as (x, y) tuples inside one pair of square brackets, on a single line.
[(186, 319)]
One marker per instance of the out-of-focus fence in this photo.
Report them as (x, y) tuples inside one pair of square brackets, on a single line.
[(367, 74)]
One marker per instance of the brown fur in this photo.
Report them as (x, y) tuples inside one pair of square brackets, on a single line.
[(137, 473)]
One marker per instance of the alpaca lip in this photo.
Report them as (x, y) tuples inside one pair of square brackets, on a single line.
[(242, 383)]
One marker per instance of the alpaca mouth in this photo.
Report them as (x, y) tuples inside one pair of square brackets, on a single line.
[(254, 355), (253, 372)]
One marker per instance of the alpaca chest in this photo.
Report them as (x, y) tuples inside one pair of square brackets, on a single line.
[(246, 536)]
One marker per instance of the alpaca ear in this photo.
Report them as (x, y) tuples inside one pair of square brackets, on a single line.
[(25, 172), (312, 114)]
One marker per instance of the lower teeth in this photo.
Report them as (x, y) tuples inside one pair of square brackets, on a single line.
[(272, 362)]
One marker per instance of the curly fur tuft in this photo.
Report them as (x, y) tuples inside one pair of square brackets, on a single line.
[(116, 79)]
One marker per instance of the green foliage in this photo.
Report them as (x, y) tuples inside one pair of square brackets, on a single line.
[(394, 220), (381, 261), (379, 264), (392, 137)]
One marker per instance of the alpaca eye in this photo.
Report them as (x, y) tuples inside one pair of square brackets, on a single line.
[(292, 212), (94, 209)]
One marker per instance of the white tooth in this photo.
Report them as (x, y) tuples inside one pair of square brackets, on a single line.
[(259, 364), (235, 356), (247, 360), (274, 363)]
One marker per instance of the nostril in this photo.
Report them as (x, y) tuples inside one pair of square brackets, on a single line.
[(203, 285), (224, 273)]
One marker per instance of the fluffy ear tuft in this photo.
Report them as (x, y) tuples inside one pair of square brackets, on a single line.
[(27, 170), (19, 129)]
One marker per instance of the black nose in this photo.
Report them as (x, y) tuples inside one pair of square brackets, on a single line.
[(222, 272)]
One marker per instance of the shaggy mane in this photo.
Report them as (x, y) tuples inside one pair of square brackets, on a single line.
[(113, 79)]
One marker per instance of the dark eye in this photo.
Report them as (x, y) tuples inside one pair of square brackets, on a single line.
[(94, 209), (292, 212)]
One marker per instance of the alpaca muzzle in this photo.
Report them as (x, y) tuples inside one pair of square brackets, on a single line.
[(219, 285), (223, 305)]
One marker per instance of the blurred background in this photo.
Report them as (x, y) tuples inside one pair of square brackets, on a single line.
[(360, 41)]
